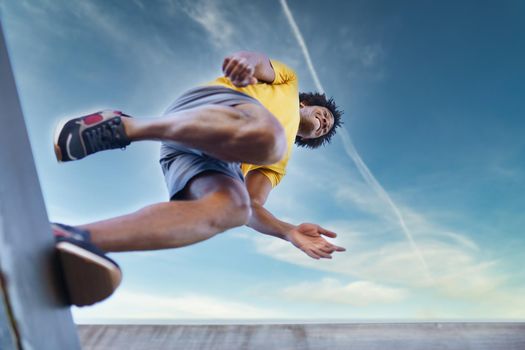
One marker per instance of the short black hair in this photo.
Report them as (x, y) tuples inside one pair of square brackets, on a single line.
[(317, 99)]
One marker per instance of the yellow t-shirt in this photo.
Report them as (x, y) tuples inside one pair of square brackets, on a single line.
[(281, 98)]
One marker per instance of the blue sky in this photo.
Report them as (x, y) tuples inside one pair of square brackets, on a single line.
[(433, 97)]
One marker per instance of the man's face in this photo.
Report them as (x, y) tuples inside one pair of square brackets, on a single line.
[(316, 121)]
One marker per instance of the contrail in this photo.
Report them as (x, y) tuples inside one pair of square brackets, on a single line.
[(302, 44), (352, 152)]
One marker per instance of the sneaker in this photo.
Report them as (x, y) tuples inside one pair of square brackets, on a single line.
[(90, 276), (79, 137)]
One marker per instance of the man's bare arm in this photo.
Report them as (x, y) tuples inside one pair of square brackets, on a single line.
[(306, 236), (245, 67), (262, 220)]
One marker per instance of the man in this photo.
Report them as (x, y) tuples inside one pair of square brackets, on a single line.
[(225, 145)]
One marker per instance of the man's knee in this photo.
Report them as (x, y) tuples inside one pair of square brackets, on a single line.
[(266, 134), (230, 209), (272, 142)]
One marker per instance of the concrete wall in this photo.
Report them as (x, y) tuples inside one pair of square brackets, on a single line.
[(368, 336), (32, 290)]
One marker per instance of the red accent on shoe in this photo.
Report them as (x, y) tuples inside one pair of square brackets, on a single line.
[(92, 119), (58, 232)]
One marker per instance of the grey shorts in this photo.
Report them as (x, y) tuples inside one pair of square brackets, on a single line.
[(180, 163)]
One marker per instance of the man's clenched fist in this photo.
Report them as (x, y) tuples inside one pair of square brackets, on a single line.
[(239, 70)]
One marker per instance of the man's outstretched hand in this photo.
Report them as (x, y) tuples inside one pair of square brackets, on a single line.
[(308, 238)]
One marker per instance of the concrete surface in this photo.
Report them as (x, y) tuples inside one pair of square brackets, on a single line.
[(365, 336)]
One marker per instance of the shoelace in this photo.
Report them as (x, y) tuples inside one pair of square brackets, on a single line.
[(104, 136)]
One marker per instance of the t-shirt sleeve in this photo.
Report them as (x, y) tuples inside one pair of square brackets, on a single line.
[(283, 73), (273, 176)]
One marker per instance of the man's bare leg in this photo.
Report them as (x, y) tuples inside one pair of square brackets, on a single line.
[(216, 202), (245, 133)]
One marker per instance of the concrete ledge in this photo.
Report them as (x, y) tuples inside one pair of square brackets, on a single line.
[(366, 336)]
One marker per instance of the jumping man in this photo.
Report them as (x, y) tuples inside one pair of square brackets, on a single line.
[(225, 146)]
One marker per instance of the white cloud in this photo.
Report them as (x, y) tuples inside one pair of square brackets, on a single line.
[(373, 255), (90, 17), (359, 293), (367, 55), (139, 4), (239, 25), (461, 274), (152, 51), (361, 197), (370, 54), (127, 304), (210, 16)]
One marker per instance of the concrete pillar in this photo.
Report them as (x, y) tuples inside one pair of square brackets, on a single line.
[(33, 312)]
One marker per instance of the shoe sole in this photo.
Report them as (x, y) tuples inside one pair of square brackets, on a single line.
[(58, 129), (89, 278)]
